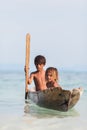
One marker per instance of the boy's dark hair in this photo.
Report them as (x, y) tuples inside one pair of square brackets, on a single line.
[(40, 60)]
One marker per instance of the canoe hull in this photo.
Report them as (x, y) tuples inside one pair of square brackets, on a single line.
[(55, 98)]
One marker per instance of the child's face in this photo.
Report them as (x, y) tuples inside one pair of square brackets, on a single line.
[(39, 67), (50, 77)]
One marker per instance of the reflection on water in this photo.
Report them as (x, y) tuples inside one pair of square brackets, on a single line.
[(39, 112)]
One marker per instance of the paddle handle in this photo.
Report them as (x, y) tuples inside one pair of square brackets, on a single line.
[(27, 60)]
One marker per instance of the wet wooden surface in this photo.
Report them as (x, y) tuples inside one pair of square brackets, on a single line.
[(55, 98)]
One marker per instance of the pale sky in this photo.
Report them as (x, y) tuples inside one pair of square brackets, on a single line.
[(58, 30)]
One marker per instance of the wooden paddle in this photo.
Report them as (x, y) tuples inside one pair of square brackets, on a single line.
[(27, 60)]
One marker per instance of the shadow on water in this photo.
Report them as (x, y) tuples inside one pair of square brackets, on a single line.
[(39, 112)]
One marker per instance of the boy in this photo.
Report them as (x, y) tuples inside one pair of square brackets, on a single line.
[(39, 75)]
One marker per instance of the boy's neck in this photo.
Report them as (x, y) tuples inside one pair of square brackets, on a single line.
[(40, 70)]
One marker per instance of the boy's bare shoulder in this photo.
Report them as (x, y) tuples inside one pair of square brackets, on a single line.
[(33, 73)]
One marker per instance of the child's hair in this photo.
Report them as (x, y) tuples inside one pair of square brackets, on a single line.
[(40, 60), (53, 71)]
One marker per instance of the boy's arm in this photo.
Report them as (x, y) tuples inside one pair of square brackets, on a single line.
[(30, 79)]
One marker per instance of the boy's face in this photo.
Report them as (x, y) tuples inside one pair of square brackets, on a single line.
[(39, 67)]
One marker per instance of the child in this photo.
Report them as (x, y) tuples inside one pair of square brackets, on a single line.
[(39, 75), (51, 77)]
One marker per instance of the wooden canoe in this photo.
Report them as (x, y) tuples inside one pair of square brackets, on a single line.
[(55, 98)]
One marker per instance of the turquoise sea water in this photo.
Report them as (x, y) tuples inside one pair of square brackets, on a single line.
[(15, 114)]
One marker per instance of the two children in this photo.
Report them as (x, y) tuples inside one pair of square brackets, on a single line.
[(42, 79)]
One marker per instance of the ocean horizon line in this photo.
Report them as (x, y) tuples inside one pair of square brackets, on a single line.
[(16, 70), (20, 68)]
